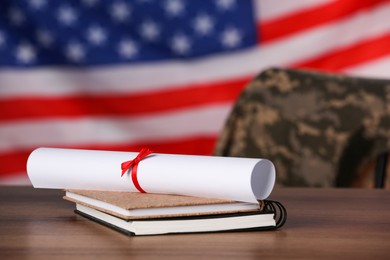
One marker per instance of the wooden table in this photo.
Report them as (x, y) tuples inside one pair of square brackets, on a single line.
[(322, 223)]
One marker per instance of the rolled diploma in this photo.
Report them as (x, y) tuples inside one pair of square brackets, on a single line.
[(230, 178)]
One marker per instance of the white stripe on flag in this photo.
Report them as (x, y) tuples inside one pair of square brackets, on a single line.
[(18, 178), (379, 68), (206, 120), (272, 9)]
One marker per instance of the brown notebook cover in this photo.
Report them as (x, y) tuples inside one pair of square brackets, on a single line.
[(135, 200)]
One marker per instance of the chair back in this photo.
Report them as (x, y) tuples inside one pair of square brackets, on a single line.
[(318, 129)]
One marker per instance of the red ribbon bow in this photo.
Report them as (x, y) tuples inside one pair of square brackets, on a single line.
[(134, 163)]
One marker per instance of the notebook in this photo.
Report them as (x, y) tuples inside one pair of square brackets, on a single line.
[(152, 214)]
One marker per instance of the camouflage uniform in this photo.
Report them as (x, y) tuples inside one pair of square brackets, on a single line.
[(318, 129)]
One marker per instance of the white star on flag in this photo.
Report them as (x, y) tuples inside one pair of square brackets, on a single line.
[(203, 24), (37, 4), (67, 15), (75, 52), (45, 38), (127, 48), (96, 35), (120, 12), (2, 39), (149, 30), (16, 16), (180, 44), (226, 4), (231, 38), (174, 7), (25, 53)]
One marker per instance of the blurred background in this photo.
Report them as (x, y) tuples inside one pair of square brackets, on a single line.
[(163, 74)]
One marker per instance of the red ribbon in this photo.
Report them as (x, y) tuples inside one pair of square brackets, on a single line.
[(134, 163)]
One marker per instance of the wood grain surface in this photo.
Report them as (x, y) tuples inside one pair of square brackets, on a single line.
[(322, 223)]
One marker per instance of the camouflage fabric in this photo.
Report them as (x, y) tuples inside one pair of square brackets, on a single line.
[(317, 129)]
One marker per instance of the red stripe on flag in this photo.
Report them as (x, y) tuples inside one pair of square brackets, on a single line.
[(349, 56), (135, 104), (15, 162), (308, 18)]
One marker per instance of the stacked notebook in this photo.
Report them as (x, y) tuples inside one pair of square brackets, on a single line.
[(151, 214)]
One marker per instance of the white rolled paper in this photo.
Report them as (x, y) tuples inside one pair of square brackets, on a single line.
[(231, 178)]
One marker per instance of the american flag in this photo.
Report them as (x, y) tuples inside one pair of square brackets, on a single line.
[(162, 74)]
